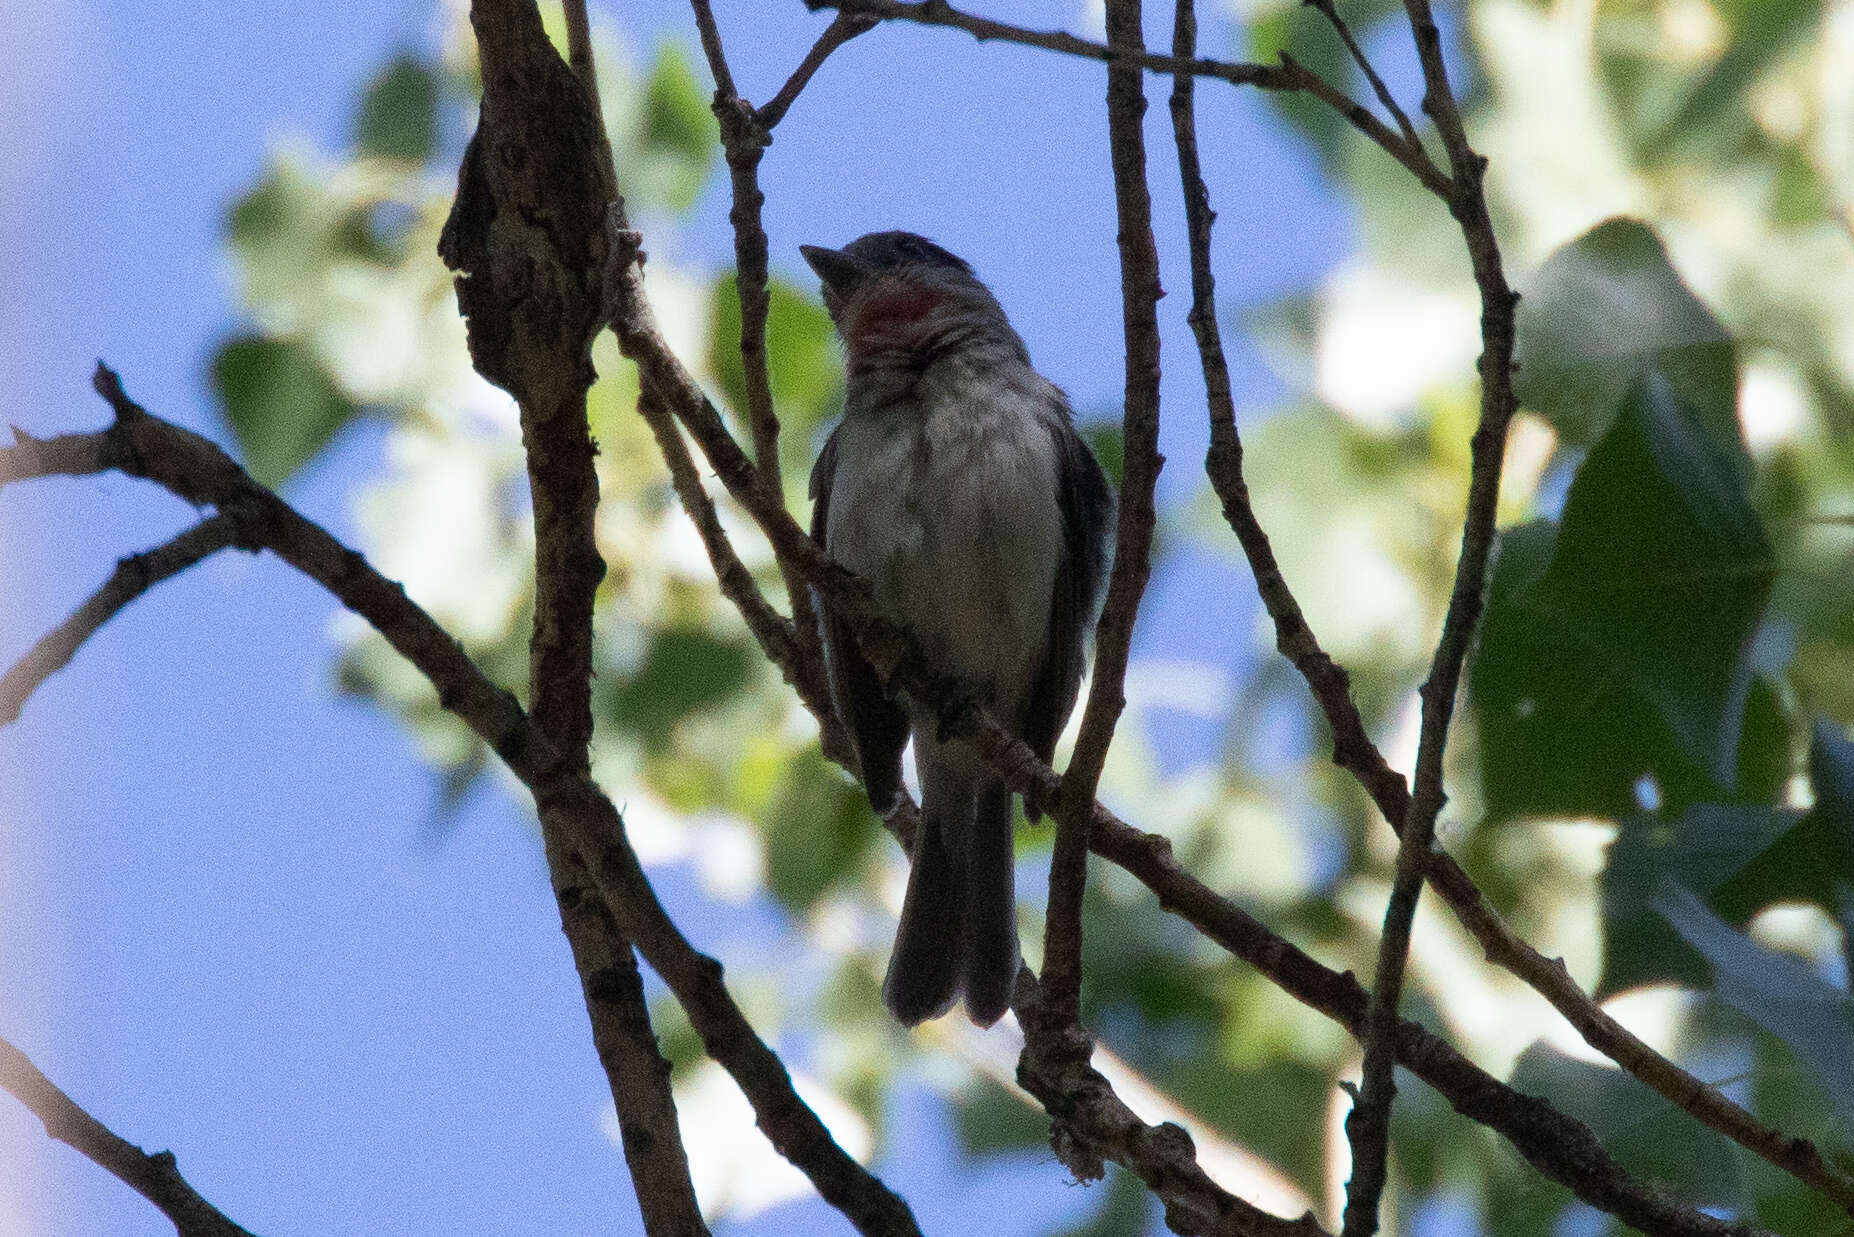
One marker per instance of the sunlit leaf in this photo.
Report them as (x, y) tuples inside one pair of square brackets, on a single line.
[(801, 358), (279, 402), (679, 137)]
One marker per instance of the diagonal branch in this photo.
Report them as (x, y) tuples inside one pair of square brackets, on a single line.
[(1329, 10), (1289, 75), (193, 468), (843, 28), (155, 1177), (133, 576)]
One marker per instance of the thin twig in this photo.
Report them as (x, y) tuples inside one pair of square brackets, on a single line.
[(745, 134), (1368, 1125), (711, 48), (1139, 301), (843, 28), (1289, 75), (155, 1177), (133, 576), (1330, 12)]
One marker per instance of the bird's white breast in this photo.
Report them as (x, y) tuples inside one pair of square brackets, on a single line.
[(946, 501)]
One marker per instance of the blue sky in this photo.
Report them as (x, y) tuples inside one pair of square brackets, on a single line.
[(221, 928)]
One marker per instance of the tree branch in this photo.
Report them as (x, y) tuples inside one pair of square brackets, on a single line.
[(133, 576), (527, 222), (155, 1177), (1139, 300), (1092, 1124), (746, 132), (1289, 75), (1330, 12), (1368, 1125), (843, 28)]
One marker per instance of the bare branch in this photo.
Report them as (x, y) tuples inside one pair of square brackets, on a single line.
[(1139, 300), (133, 576), (1289, 75), (745, 134), (843, 28), (1368, 1126), (1330, 12), (711, 48), (547, 371), (155, 1177), (1092, 1124)]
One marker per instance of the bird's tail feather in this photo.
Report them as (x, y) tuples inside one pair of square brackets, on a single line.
[(925, 968), (990, 937)]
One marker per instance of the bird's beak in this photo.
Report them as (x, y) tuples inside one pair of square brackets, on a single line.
[(840, 272)]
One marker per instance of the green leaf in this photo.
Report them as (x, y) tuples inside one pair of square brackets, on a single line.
[(1662, 570), (679, 134), (1778, 992), (684, 670), (280, 403), (1107, 439), (801, 358), (817, 827), (398, 116), (1557, 736), (1599, 315), (1703, 848), (1814, 859), (1647, 1135), (1636, 630)]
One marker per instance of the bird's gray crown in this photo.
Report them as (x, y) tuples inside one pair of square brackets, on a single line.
[(879, 253)]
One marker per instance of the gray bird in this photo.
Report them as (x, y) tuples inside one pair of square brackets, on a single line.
[(957, 486)]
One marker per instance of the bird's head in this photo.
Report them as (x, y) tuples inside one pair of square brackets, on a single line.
[(895, 294)]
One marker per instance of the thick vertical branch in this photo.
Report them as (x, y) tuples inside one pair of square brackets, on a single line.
[(1368, 1126), (1139, 298), (527, 233)]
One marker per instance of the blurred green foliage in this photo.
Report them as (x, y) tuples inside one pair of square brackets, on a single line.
[(1652, 777)]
